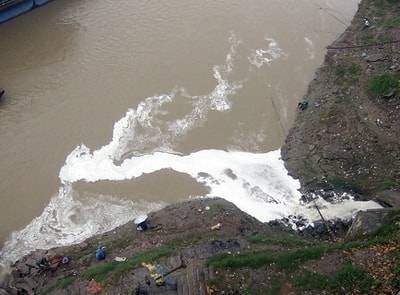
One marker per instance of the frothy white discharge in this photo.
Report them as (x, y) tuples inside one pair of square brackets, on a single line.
[(70, 218), (259, 57), (310, 48), (257, 183), (144, 129)]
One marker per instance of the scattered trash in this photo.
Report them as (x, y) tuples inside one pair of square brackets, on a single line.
[(364, 54), (367, 22), (141, 222), (161, 276), (302, 105), (207, 208), (153, 273), (42, 263), (100, 253), (94, 287), (216, 227), (120, 259), (199, 210), (65, 260), (164, 274)]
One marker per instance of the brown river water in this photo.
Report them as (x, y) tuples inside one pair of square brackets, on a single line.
[(233, 72)]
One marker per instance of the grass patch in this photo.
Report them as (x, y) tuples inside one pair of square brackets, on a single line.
[(348, 72), (351, 278), (382, 85), (308, 281), (392, 22), (284, 260), (283, 240), (275, 287), (114, 270), (347, 279)]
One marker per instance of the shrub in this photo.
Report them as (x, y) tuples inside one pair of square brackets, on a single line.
[(382, 85)]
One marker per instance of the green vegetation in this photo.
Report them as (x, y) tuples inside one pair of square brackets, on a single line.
[(383, 5), (350, 278), (114, 270), (275, 287), (346, 280), (348, 72), (283, 240), (397, 265), (383, 85), (307, 281), (392, 22), (384, 39), (288, 259)]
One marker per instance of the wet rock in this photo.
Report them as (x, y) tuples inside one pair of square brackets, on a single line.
[(366, 222), (388, 198)]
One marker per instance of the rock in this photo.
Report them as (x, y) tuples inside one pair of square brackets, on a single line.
[(366, 222), (389, 198), (375, 58)]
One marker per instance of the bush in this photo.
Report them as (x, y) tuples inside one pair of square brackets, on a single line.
[(382, 85)]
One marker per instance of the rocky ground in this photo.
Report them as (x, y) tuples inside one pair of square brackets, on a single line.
[(349, 136), (211, 247)]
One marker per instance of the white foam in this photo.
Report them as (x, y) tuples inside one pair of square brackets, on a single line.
[(261, 56), (261, 186), (69, 219), (310, 48)]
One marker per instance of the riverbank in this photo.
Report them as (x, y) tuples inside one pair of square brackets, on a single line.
[(349, 136), (211, 247)]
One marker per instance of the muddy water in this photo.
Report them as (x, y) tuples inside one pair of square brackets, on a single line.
[(73, 68)]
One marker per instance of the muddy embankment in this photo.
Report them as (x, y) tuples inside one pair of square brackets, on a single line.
[(346, 138)]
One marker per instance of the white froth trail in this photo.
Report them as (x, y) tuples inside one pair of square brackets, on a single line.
[(310, 48), (261, 56), (257, 183), (69, 219)]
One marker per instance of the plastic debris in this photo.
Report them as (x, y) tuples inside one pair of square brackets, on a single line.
[(141, 222), (216, 227), (120, 259), (207, 208), (100, 253), (158, 278), (65, 260), (302, 105), (367, 22), (94, 287)]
